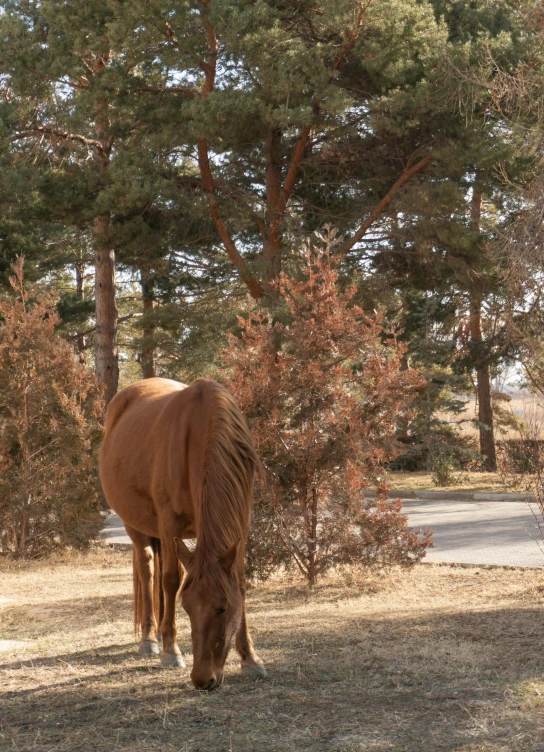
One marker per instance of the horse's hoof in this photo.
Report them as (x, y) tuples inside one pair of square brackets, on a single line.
[(254, 671), (173, 660), (148, 648)]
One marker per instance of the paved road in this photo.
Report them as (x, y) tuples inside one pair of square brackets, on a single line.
[(479, 532), (464, 532), (114, 530)]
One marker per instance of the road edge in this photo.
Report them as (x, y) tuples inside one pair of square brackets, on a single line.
[(453, 495)]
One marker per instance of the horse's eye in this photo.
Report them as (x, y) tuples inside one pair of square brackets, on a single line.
[(221, 611)]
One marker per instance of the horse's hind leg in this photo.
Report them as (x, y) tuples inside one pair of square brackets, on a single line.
[(145, 618), (171, 581), (252, 665)]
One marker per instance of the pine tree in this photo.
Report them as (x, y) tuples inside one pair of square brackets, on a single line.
[(322, 396), (439, 240), (66, 71), (199, 142), (280, 108)]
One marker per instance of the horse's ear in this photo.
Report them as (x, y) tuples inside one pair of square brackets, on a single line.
[(229, 558), (184, 555)]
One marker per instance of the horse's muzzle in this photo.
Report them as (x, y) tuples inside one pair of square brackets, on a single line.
[(208, 685)]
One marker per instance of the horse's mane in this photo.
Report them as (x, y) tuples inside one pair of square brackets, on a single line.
[(223, 508)]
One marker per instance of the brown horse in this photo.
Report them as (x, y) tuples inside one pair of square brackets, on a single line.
[(178, 462)]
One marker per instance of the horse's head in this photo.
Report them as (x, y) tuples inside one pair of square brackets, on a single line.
[(213, 600)]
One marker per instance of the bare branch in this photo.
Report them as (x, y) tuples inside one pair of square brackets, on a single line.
[(55, 134), (382, 205), (208, 187)]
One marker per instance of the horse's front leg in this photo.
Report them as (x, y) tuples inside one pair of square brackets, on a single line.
[(171, 581), (252, 665)]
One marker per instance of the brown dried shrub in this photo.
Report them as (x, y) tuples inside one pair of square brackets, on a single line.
[(50, 425)]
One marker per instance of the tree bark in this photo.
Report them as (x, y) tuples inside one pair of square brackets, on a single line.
[(80, 295), (483, 376), (107, 367), (347, 245), (253, 284), (483, 390), (148, 348), (273, 220), (208, 67), (312, 547)]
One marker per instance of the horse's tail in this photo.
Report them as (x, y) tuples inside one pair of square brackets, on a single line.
[(158, 596), (225, 490), (137, 593)]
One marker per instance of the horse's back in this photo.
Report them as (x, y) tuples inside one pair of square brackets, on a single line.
[(138, 396), (154, 450)]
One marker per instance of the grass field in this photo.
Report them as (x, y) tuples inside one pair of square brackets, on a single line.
[(467, 481), (528, 408), (441, 658)]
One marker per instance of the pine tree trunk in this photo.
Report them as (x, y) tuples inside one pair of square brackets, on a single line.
[(312, 547), (402, 422), (483, 377), (485, 417), (107, 367), (483, 390), (273, 231), (80, 295), (148, 349)]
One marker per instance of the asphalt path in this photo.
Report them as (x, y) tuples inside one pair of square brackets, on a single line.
[(502, 533)]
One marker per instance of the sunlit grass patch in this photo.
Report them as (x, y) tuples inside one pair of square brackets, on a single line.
[(467, 482)]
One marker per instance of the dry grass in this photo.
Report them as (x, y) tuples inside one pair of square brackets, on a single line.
[(442, 658), (468, 481), (528, 408)]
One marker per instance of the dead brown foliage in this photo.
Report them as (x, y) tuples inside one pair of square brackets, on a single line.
[(50, 423), (323, 391)]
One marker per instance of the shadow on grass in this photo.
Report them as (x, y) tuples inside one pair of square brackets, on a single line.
[(110, 655), (295, 593), (119, 660)]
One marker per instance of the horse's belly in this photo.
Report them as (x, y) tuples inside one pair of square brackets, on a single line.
[(140, 502), (134, 508)]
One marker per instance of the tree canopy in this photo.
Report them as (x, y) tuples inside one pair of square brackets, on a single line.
[(181, 151)]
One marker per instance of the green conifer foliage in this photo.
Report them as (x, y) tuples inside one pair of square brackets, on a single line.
[(199, 141)]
